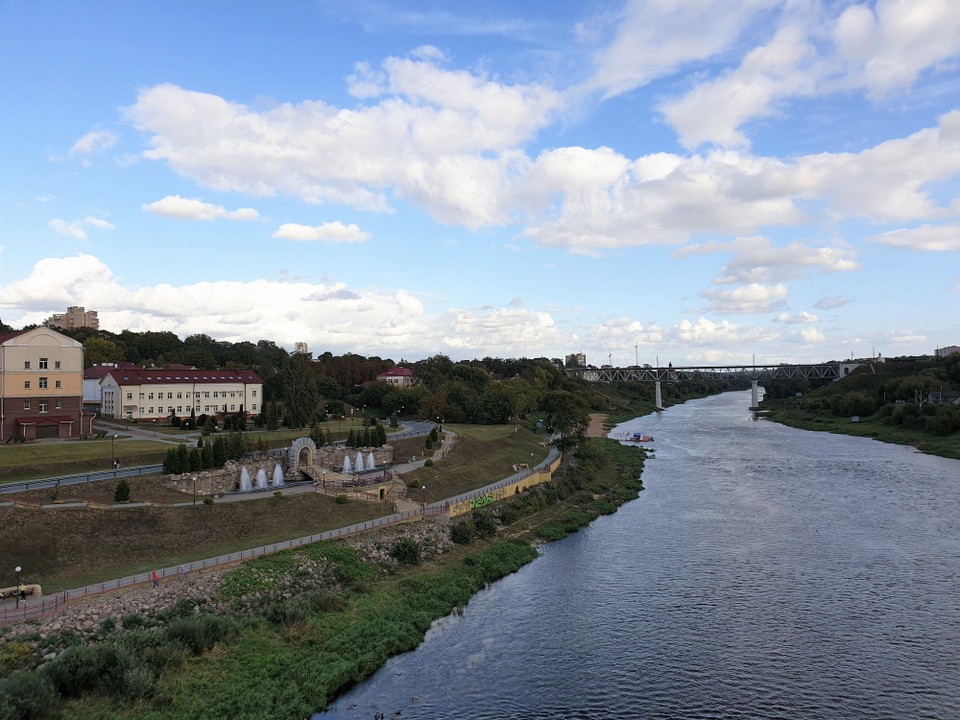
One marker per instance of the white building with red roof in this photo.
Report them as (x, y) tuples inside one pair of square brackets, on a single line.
[(142, 394), (399, 376)]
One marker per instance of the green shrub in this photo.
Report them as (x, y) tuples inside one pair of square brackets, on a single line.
[(406, 551), (484, 523), (428, 463), (27, 695), (121, 493), (462, 533), (199, 632), (207, 500), (341, 500)]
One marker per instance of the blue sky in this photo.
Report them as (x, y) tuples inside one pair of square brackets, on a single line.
[(673, 180)]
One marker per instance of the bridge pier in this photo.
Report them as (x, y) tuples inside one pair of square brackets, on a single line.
[(657, 396), (754, 396)]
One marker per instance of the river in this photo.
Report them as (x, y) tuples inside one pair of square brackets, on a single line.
[(765, 572)]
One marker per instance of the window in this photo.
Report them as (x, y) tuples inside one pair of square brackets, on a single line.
[(26, 384), (56, 364), (232, 408), (42, 406), (57, 384), (26, 404), (206, 408), (150, 397), (206, 394), (26, 364), (141, 396), (43, 383), (254, 407), (169, 396), (58, 404), (179, 408), (151, 410), (43, 363), (197, 396), (179, 396), (129, 396), (253, 393)]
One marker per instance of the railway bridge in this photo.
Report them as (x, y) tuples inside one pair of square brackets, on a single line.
[(754, 373)]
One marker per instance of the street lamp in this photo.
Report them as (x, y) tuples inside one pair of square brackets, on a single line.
[(323, 478), (113, 452), (423, 501), (194, 490), (17, 591)]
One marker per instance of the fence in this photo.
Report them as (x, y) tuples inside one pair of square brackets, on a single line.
[(48, 605)]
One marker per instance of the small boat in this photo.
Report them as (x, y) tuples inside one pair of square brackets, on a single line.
[(640, 437)]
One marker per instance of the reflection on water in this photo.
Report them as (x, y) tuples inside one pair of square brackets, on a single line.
[(766, 572)]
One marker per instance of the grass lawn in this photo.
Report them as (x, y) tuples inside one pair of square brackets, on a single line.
[(71, 457), (483, 454)]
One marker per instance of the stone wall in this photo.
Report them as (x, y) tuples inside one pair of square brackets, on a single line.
[(225, 479)]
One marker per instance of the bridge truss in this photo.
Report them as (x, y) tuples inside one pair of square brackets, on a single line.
[(709, 372)]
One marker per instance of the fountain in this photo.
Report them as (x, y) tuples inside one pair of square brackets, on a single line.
[(261, 479), (277, 475), (245, 480), (359, 461), (347, 469), (371, 463)]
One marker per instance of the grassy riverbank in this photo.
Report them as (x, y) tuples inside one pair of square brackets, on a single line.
[(289, 631)]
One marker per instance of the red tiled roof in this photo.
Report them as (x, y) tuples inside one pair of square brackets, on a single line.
[(173, 377), (10, 335), (100, 371), (45, 420), (397, 372)]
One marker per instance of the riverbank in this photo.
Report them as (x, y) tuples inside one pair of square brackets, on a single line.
[(283, 634)]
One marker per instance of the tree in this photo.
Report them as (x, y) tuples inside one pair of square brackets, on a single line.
[(121, 493), (567, 415), (316, 434), (299, 391)]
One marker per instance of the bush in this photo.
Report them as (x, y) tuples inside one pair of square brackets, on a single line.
[(462, 533), (207, 500), (341, 500), (28, 695), (200, 632), (121, 493), (406, 551), (484, 524), (428, 463)]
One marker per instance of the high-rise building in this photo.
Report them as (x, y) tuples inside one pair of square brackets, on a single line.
[(300, 348), (948, 350), (76, 316), (575, 360)]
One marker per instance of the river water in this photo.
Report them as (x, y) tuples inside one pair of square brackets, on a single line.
[(765, 572)]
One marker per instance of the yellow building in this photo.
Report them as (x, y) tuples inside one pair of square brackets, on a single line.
[(41, 386)]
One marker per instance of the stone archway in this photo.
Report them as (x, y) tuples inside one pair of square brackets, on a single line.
[(302, 452)]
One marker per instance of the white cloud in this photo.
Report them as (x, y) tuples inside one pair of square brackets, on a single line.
[(45, 198), (93, 141), (812, 335), (928, 238), (801, 317), (748, 299), (76, 229), (706, 332), (327, 232), (831, 303), (501, 332), (174, 206), (655, 39)]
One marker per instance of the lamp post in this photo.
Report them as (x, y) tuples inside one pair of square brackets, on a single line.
[(17, 591), (113, 452), (423, 501), (323, 478), (194, 490)]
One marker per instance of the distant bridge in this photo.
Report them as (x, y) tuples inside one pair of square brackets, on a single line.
[(754, 373)]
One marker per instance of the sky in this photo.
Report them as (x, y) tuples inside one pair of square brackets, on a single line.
[(643, 181)]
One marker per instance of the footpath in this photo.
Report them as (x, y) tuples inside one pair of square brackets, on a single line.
[(140, 593)]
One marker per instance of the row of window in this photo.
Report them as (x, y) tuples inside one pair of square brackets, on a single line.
[(196, 395), (42, 405), (42, 384), (42, 364), (206, 408)]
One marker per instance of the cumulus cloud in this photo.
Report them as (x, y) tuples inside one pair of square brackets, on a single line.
[(93, 141), (748, 299), (928, 238), (801, 317), (706, 332), (76, 229), (174, 206), (327, 232), (831, 303)]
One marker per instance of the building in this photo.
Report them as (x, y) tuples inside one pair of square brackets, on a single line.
[(945, 351), (151, 394), (91, 382), (75, 317), (575, 360), (399, 376), (41, 386), (300, 348)]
